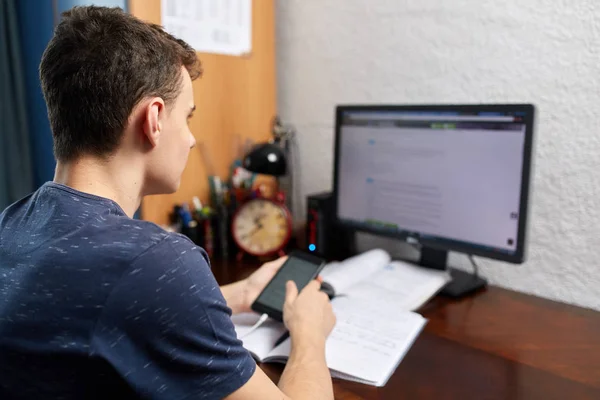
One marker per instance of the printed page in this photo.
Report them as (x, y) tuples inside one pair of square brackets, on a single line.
[(399, 284), (367, 343), (344, 274), (261, 341)]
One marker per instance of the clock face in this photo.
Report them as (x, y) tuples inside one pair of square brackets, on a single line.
[(261, 227)]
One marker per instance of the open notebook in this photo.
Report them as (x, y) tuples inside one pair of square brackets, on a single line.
[(376, 326)]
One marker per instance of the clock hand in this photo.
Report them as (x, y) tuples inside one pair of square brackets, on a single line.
[(252, 232)]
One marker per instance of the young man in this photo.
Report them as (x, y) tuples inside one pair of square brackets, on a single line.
[(94, 304)]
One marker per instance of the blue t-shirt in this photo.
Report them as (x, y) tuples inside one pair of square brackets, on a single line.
[(94, 304)]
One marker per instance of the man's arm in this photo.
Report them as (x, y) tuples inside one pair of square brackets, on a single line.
[(235, 296), (310, 319), (306, 375)]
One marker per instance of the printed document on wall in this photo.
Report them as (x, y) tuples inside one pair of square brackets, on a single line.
[(210, 26)]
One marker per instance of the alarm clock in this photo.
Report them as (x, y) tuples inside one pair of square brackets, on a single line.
[(262, 227)]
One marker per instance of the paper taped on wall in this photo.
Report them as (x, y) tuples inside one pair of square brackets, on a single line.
[(210, 26)]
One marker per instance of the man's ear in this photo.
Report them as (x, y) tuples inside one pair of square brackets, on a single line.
[(154, 114)]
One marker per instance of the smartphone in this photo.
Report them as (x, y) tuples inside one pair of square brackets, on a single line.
[(300, 268)]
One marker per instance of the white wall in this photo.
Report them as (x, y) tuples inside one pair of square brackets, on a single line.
[(450, 51)]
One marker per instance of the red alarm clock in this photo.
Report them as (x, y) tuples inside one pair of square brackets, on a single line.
[(262, 227)]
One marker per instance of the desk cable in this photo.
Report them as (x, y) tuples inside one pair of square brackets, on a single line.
[(475, 266), (258, 323)]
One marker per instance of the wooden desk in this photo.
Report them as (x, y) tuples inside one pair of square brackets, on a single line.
[(497, 344)]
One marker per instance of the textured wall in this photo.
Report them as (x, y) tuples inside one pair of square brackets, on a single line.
[(420, 51)]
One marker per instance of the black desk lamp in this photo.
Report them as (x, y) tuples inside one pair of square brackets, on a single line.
[(267, 159), (270, 158)]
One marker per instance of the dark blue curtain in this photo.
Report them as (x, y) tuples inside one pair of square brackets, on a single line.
[(16, 179), (36, 22), (63, 5)]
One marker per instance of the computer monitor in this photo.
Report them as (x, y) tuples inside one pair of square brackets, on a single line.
[(447, 177)]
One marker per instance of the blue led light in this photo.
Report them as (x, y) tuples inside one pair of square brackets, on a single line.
[(312, 247)]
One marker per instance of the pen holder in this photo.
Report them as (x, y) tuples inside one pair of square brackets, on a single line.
[(191, 231), (224, 245), (211, 231)]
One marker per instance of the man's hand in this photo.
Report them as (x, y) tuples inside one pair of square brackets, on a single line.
[(308, 316), (240, 295), (256, 282)]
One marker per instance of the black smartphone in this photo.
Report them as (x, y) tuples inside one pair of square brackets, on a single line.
[(300, 268)]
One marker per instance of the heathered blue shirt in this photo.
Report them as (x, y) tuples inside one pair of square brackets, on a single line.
[(95, 305)]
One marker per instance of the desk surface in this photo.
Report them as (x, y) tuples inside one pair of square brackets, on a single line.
[(498, 344)]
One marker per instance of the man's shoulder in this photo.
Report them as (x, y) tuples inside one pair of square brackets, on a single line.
[(139, 241), (167, 325), (138, 229), (168, 274), (171, 246)]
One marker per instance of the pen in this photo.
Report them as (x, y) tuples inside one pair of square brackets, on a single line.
[(186, 216), (197, 206), (282, 338)]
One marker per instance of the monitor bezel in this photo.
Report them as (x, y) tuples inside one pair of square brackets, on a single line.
[(441, 243)]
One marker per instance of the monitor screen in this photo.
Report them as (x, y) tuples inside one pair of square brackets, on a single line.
[(455, 178)]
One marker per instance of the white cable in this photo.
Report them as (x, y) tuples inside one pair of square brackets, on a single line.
[(475, 266), (260, 321)]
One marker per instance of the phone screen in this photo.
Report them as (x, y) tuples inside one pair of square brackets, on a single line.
[(295, 269)]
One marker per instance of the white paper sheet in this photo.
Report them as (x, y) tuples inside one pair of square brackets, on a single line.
[(401, 284), (367, 343), (261, 341), (346, 273), (210, 26)]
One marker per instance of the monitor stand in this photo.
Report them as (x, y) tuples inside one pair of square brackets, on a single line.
[(462, 283)]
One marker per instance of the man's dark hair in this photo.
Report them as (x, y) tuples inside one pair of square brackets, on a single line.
[(97, 67)]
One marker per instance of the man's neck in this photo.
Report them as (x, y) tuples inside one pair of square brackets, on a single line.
[(104, 178)]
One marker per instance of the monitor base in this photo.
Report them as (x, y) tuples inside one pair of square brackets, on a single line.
[(462, 283)]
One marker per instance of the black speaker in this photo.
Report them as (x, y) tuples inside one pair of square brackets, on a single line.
[(323, 237)]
